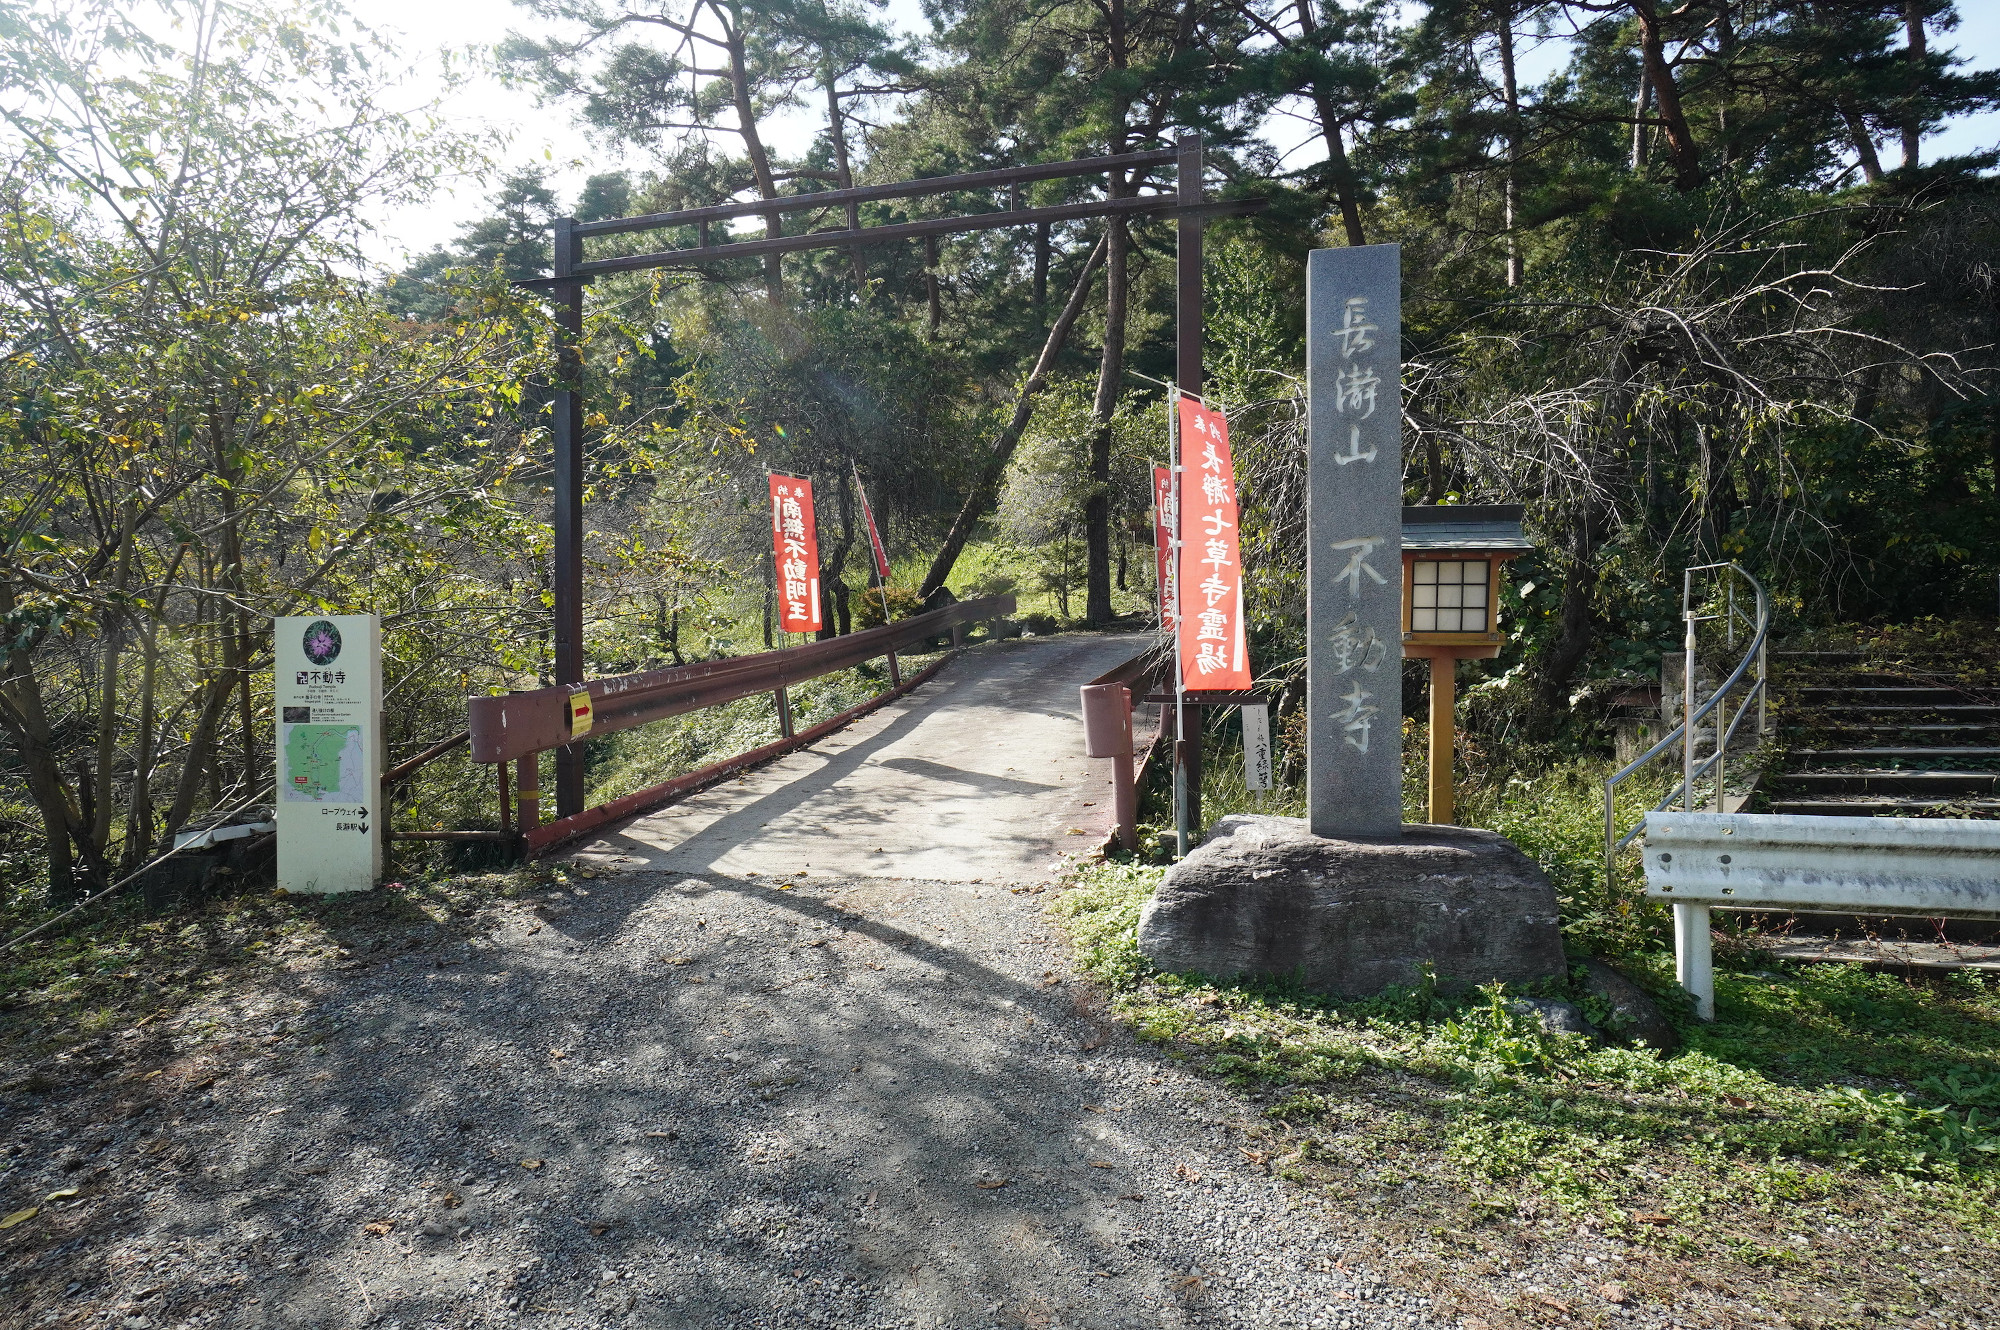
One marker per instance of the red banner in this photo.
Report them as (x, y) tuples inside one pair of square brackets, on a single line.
[(874, 537), (1165, 575), (795, 542), (1214, 654)]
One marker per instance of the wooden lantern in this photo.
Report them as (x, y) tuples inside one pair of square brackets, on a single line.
[(1452, 557)]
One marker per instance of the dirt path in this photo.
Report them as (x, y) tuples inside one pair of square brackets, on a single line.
[(665, 1097)]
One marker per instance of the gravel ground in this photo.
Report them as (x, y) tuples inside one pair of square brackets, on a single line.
[(707, 1093), (674, 1102)]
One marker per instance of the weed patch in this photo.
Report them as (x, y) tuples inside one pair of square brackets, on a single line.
[(1821, 1093)]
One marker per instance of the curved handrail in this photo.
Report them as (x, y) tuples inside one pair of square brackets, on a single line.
[(1690, 770)]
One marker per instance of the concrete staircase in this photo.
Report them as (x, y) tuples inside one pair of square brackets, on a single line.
[(1868, 741), (1871, 739)]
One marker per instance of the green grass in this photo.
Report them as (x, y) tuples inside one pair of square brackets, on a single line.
[(1818, 1092)]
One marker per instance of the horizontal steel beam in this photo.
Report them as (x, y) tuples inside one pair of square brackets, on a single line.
[(517, 724), (1139, 205), (569, 828), (1910, 866), (901, 189)]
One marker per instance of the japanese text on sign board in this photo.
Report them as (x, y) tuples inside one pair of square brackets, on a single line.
[(795, 543), (1166, 520), (1214, 654)]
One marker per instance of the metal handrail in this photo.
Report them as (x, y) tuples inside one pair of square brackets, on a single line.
[(1692, 715)]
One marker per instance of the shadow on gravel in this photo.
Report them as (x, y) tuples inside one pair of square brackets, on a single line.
[(682, 1103)]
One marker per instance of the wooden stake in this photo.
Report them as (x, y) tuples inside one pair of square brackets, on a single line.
[(1444, 681)]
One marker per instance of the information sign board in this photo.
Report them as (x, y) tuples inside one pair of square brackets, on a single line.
[(329, 764)]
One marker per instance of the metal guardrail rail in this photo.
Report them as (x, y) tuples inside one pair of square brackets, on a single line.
[(1908, 866), (1687, 734), (517, 728)]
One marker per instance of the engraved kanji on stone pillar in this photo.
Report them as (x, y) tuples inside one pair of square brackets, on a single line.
[(1354, 689)]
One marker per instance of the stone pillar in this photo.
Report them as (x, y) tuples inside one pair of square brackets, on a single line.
[(1354, 565)]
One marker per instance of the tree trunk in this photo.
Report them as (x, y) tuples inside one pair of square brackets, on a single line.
[(1346, 195), (139, 811), (1641, 131), (836, 126), (932, 295), (1511, 91), (1917, 50), (1111, 363), (1680, 140), (980, 497), (1110, 374), (33, 741), (1864, 142), (1041, 277), (832, 586), (200, 759), (760, 161)]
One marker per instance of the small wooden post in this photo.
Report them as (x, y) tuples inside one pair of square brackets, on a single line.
[(1444, 690), (529, 783)]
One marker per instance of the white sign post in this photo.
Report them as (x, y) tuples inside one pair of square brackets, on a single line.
[(1256, 745), (329, 703)]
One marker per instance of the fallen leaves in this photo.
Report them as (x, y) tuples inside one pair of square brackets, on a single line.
[(1614, 1293), (381, 1228), (64, 1194), (20, 1216), (1186, 1174), (558, 1054), (1099, 1163), (1654, 1219), (451, 1200), (532, 1164), (676, 960), (991, 1184)]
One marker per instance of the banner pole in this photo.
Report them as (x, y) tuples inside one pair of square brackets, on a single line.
[(1181, 829)]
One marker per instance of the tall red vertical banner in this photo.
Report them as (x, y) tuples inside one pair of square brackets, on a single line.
[(1213, 646), (874, 536), (795, 542), (1166, 574)]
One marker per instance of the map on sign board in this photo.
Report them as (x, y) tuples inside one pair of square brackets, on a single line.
[(322, 762)]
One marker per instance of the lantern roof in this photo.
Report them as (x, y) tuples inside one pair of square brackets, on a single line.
[(1491, 528)]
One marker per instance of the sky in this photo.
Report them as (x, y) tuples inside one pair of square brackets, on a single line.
[(550, 135)]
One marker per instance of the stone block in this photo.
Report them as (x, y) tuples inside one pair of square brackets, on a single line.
[(1263, 896), (1634, 1016)]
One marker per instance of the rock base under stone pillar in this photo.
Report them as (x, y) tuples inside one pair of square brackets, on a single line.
[(1264, 896)]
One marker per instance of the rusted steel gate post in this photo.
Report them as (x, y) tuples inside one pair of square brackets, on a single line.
[(568, 497), (571, 272)]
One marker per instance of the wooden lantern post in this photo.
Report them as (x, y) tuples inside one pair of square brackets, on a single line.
[(1452, 557)]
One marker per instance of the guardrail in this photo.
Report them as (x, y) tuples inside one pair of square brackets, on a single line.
[(1687, 733), (516, 728), (1107, 730), (1908, 866)]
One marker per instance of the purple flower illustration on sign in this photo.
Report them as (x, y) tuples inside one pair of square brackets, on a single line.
[(322, 641)]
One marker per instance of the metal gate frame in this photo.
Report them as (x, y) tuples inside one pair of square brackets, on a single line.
[(573, 272)]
